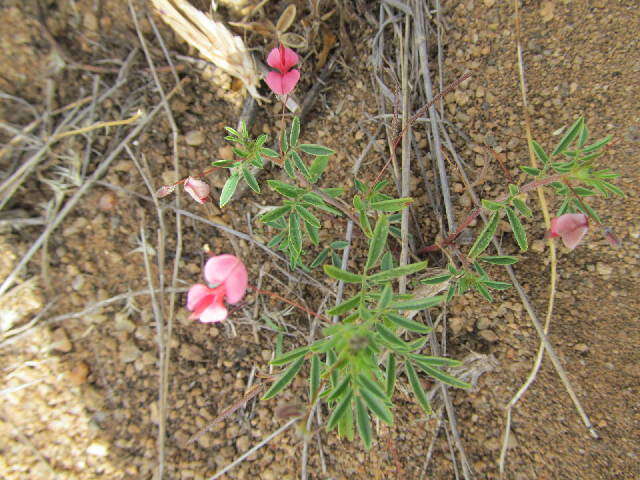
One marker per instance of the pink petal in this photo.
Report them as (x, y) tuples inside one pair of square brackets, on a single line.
[(572, 238), (198, 189), (282, 58), (229, 271), (282, 84), (572, 227), (216, 312), (196, 294)]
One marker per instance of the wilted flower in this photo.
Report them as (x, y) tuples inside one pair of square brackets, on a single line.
[(227, 276), (571, 227), (198, 189), (284, 80)]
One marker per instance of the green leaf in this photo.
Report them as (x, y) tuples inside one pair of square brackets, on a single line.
[(387, 261), (339, 244), (491, 205), (295, 132), (223, 163), (392, 273), (434, 361), (307, 216), (343, 275), (385, 297), (317, 168), (322, 256), (240, 153), (285, 189), (513, 189), (437, 279), (345, 306), (584, 136), (314, 233), (345, 425), (275, 214), (500, 260), (540, 153), (233, 132), (314, 378), (300, 164), (406, 323), (295, 235), (418, 303), (283, 141), (483, 240), (569, 137), (393, 205), (443, 377), (530, 170), (371, 385), (288, 168), (284, 380), (518, 230), (317, 150), (290, 356), (275, 241), (340, 410), (364, 423), (268, 152), (229, 188), (390, 338), (391, 375), (522, 207), (251, 180), (597, 145), (418, 391), (340, 388), (377, 406), (497, 285), (378, 241)]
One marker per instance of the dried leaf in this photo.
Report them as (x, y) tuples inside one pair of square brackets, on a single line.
[(264, 27), (286, 19), (215, 42), (293, 40), (328, 41)]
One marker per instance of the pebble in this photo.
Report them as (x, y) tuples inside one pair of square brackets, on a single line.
[(488, 335), (604, 269), (79, 374), (98, 448), (226, 152), (123, 324), (194, 138), (483, 323), (129, 352), (60, 341), (581, 347)]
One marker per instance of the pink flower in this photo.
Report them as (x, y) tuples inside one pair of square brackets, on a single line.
[(283, 81), (198, 189), (571, 227), (227, 276)]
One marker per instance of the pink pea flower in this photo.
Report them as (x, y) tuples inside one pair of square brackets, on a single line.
[(198, 189), (571, 227), (227, 276), (284, 80)]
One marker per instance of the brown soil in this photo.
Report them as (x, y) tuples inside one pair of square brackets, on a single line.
[(80, 396)]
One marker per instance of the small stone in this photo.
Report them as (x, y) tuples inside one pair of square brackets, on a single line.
[(191, 353), (242, 444), (483, 323), (488, 335), (226, 152), (538, 246), (604, 269), (455, 324), (205, 440), (581, 347), (99, 448), (194, 138), (489, 3), (79, 374), (60, 341), (546, 11), (107, 202), (123, 324), (129, 353)]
